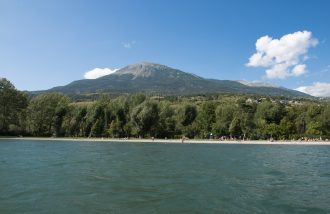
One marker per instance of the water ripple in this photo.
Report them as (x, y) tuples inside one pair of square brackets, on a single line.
[(82, 177)]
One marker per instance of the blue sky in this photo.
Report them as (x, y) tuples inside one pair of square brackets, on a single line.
[(49, 43)]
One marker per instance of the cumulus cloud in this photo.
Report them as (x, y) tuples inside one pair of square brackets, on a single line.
[(283, 57), (318, 89), (128, 45), (98, 72)]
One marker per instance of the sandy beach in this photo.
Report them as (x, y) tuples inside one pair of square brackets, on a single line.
[(187, 141)]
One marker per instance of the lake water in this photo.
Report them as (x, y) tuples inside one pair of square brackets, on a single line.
[(98, 177)]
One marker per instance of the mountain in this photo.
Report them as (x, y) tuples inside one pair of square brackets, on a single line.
[(156, 78), (257, 84)]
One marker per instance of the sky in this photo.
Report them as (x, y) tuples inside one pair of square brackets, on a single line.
[(51, 43)]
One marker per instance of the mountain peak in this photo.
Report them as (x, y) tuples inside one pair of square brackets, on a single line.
[(257, 84), (145, 64), (143, 69)]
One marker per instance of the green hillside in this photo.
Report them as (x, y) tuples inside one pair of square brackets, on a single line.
[(155, 78)]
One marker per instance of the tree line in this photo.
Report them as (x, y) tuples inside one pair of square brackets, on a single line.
[(138, 115)]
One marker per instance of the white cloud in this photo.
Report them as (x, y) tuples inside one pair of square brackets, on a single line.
[(282, 57), (299, 70), (318, 89), (98, 72), (128, 44)]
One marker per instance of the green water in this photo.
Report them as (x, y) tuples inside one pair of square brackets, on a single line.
[(81, 177)]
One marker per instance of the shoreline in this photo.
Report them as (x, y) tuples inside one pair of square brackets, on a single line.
[(176, 141)]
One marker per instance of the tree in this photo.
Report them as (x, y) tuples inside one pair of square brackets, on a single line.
[(98, 117), (247, 124), (167, 124), (314, 129), (235, 127), (270, 112), (286, 128), (189, 115), (272, 130), (12, 106), (46, 113), (206, 118), (267, 118), (117, 115), (325, 120), (224, 116), (145, 118), (137, 99), (97, 128)]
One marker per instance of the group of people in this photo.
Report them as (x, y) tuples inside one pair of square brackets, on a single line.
[(311, 139)]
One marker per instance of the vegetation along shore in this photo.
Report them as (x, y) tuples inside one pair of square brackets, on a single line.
[(212, 116)]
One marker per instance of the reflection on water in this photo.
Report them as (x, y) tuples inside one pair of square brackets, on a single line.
[(81, 177)]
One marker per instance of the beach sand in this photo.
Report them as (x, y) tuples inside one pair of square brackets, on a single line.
[(187, 141)]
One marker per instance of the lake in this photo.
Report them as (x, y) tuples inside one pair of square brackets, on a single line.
[(100, 177)]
